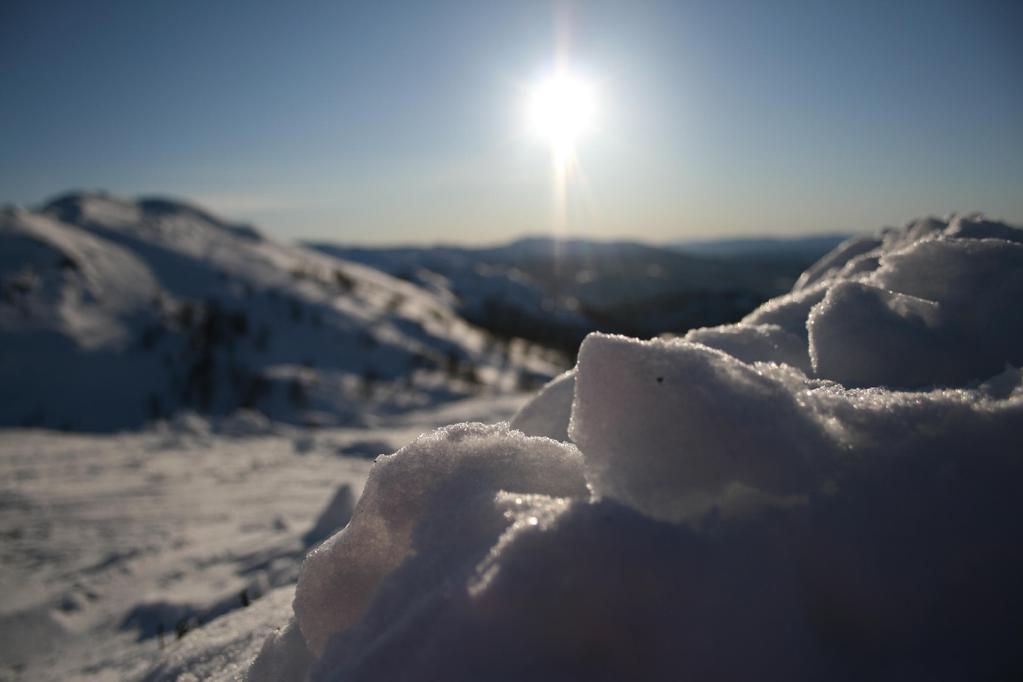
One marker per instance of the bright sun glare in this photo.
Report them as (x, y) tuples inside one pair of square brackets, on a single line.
[(562, 108)]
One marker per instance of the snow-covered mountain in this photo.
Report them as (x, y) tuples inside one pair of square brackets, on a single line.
[(555, 291), (115, 312)]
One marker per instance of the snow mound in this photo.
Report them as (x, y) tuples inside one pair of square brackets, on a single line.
[(433, 478), (936, 312), (865, 336), (933, 304), (726, 515)]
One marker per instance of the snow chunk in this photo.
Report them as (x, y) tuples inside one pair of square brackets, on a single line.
[(549, 412), (977, 227), (789, 311), (953, 317), (836, 260), (667, 426), (865, 336), (755, 343), (966, 276), (433, 476), (954, 271)]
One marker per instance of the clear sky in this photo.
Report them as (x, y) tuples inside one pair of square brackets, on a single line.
[(405, 121)]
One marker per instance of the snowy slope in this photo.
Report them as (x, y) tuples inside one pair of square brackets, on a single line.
[(82, 287), (832, 493), (160, 306), (487, 286)]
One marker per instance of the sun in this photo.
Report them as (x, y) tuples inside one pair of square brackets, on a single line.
[(562, 109)]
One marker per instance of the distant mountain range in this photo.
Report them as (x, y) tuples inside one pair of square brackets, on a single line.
[(811, 247), (115, 312), (555, 291)]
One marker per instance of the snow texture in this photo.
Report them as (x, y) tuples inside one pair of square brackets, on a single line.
[(157, 554), (749, 510), (226, 642), (755, 343), (434, 477)]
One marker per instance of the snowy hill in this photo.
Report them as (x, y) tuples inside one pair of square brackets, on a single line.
[(116, 312), (555, 291)]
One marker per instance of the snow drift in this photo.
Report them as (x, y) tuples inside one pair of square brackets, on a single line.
[(826, 490)]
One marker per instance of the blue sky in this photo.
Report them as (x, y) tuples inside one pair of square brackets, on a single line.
[(403, 121)]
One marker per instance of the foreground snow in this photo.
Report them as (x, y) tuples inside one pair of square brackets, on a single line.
[(110, 539), (832, 494)]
